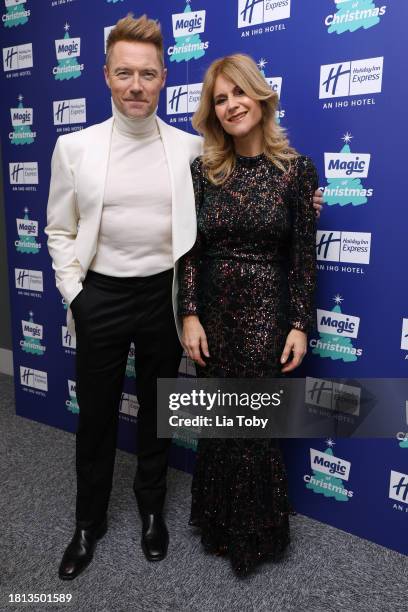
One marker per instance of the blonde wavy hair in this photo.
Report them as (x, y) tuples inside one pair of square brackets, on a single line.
[(219, 154)]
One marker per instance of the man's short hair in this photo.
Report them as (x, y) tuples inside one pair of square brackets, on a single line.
[(141, 29)]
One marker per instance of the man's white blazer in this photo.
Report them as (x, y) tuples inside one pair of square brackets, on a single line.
[(78, 173)]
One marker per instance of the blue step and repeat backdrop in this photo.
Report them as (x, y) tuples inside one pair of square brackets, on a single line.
[(339, 69)]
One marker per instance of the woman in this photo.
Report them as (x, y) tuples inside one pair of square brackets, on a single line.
[(246, 297)]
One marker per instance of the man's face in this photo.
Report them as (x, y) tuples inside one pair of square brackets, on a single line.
[(135, 77)]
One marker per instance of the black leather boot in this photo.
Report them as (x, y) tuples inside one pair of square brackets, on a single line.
[(79, 552), (155, 537)]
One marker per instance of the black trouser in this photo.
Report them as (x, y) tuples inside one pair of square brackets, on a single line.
[(109, 313)]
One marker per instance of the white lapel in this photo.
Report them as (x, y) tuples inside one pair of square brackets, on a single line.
[(91, 187), (184, 223)]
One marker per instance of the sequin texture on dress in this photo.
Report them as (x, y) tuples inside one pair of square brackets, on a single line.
[(250, 278)]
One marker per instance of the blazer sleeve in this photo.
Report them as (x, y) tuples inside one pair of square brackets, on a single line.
[(62, 225), (302, 270)]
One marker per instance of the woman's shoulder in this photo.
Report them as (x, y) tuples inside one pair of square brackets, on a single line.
[(303, 161), (198, 170), (305, 167), (197, 163)]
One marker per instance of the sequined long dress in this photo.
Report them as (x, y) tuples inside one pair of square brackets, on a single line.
[(250, 278)]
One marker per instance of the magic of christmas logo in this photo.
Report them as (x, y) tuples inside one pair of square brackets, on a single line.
[(32, 336), (21, 121), (130, 364), (329, 474), (17, 13), (72, 404), (27, 230), (275, 83), (402, 436), (67, 50), (345, 172), (187, 27), (337, 332), (351, 15), (184, 439)]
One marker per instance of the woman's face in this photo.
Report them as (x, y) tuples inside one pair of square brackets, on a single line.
[(238, 114)]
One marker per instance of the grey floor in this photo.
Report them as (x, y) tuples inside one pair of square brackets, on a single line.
[(325, 569)]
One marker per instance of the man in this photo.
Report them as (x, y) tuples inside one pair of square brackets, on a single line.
[(120, 214)]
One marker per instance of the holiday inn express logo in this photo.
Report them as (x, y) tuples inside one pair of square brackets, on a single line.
[(31, 280), (68, 112), (183, 98), (18, 57), (254, 12), (33, 378), (23, 173), (129, 405), (344, 247), (398, 489), (68, 338), (351, 78), (332, 396)]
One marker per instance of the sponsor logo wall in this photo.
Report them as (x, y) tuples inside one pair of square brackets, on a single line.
[(342, 104)]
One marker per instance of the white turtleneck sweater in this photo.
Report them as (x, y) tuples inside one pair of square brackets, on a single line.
[(135, 231)]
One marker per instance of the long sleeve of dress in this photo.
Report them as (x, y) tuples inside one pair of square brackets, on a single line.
[(189, 265), (302, 270)]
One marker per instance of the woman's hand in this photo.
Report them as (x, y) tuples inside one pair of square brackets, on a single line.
[(318, 202), (296, 343), (194, 339)]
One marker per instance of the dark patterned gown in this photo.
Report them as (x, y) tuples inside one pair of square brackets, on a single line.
[(250, 278)]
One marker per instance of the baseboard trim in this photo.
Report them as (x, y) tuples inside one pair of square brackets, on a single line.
[(6, 362)]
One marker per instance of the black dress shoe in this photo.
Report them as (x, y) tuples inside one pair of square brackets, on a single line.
[(79, 552), (155, 537)]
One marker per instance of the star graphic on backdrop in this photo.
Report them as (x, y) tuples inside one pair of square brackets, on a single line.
[(31, 314), (26, 210), (330, 443), (262, 63), (338, 299), (347, 137), (20, 98), (66, 27)]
